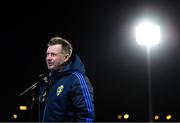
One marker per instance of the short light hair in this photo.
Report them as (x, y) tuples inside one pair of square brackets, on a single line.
[(66, 45)]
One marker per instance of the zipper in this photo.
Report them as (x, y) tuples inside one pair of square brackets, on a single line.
[(44, 110), (46, 103)]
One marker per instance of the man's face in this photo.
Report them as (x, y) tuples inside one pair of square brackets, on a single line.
[(54, 57)]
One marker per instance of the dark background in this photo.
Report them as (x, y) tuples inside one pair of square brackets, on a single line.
[(102, 33)]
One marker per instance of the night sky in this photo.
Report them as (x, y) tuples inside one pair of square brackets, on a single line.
[(102, 33)]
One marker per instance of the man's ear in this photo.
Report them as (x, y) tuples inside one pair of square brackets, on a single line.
[(66, 57)]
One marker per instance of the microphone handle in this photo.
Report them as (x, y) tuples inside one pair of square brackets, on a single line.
[(30, 88)]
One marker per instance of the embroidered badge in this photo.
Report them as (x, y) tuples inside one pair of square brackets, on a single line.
[(59, 90)]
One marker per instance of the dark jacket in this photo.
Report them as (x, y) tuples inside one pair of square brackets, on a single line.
[(68, 96)]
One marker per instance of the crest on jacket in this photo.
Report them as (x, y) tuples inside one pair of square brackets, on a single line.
[(59, 90)]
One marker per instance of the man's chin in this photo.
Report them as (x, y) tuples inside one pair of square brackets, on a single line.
[(51, 68)]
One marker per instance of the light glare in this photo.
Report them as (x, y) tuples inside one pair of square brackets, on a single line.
[(23, 108), (14, 116), (119, 116), (126, 116), (156, 117), (168, 117), (147, 34)]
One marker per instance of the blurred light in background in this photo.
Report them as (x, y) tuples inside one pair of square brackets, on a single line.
[(156, 117), (122, 116), (119, 116), (126, 116), (14, 116), (23, 108), (168, 117)]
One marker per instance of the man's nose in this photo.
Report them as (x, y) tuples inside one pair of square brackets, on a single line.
[(48, 57)]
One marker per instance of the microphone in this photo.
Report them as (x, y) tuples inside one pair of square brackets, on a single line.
[(42, 81), (43, 78)]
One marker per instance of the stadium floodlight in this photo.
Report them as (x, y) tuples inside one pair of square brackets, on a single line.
[(147, 34)]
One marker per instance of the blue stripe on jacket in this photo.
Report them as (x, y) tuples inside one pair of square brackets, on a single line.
[(86, 95)]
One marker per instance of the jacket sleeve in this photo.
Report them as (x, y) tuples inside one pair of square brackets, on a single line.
[(83, 99)]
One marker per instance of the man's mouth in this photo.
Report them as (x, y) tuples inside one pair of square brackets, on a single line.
[(50, 64)]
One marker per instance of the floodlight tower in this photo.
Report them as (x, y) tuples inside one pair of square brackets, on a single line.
[(148, 35)]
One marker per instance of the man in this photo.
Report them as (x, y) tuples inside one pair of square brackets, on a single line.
[(68, 96)]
